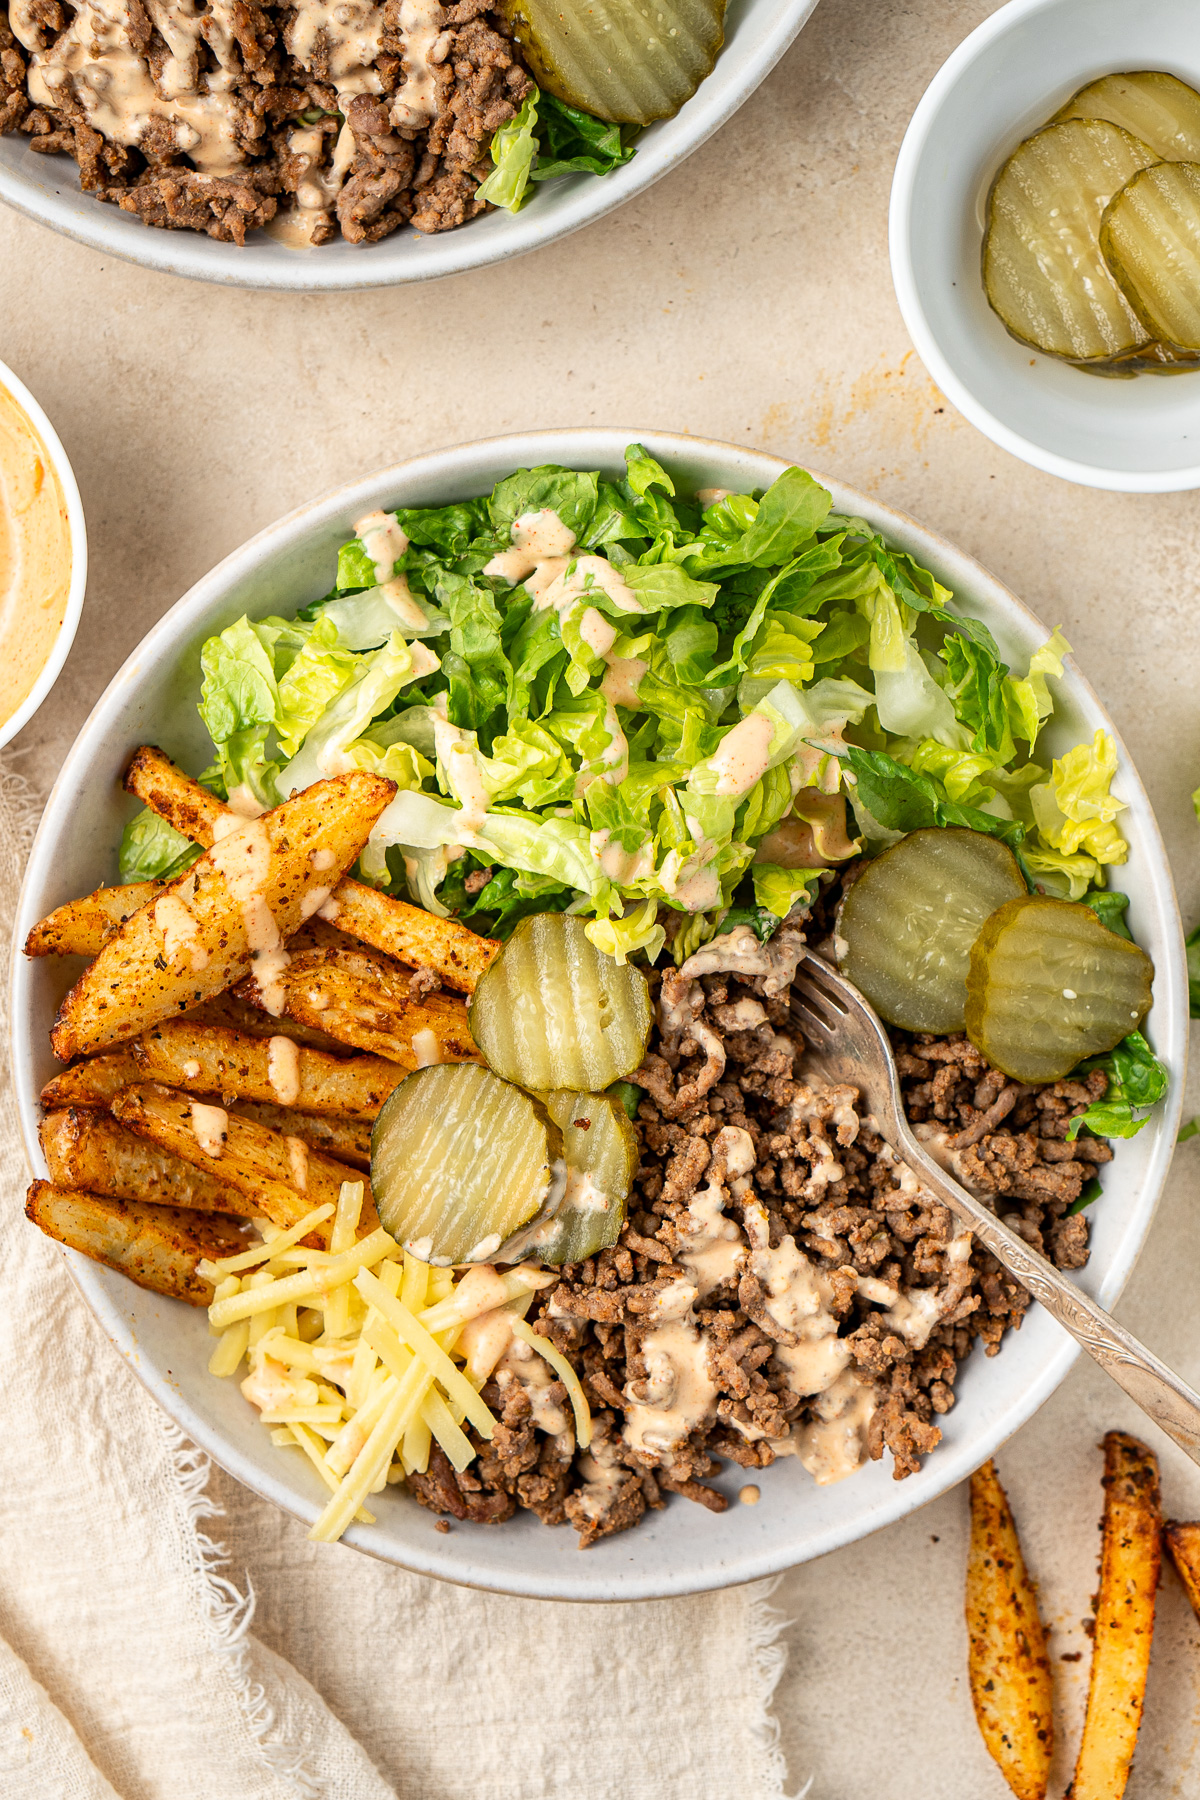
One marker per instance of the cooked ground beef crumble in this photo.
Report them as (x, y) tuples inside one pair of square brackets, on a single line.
[(218, 117), (781, 1284)]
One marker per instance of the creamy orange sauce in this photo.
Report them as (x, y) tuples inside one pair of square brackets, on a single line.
[(35, 555)]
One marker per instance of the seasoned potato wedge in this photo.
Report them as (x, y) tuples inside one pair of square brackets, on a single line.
[(1183, 1546), (156, 1246), (88, 1149), (93, 1083), (346, 1140), (283, 1176), (231, 908), (1008, 1665), (83, 927), (357, 998), (233, 1012), (456, 955), (1130, 1559), (273, 1070)]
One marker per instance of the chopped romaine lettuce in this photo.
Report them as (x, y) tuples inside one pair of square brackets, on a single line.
[(1136, 1082), (152, 850)]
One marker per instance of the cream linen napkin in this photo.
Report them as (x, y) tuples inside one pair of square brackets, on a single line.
[(127, 1670)]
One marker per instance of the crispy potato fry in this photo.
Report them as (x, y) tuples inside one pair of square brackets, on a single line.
[(353, 995), (457, 955), (92, 1083), (156, 1246), (234, 1012), (283, 1176), (1183, 1544), (273, 1070), (1008, 1666), (90, 1150), (201, 932), (83, 927), (346, 1140), (1130, 1559)]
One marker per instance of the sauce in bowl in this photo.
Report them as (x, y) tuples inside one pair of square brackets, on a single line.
[(35, 555)]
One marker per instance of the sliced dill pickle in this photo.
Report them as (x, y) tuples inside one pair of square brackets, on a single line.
[(1149, 359), (1158, 109), (1049, 985), (460, 1160), (1043, 270), (628, 61), (601, 1151), (908, 923), (552, 1011), (1150, 236)]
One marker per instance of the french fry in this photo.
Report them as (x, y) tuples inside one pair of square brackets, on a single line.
[(353, 995), (93, 1083), (83, 927), (457, 955), (232, 1012), (274, 1071), (1007, 1662), (90, 1150), (156, 1246), (1183, 1546), (200, 933), (346, 1140), (283, 1177), (1130, 1559)]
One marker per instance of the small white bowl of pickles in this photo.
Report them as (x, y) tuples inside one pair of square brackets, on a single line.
[(1045, 237)]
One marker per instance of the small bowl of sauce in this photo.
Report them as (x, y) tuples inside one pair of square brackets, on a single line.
[(43, 555)]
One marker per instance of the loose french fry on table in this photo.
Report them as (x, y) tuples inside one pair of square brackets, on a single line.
[(93, 1083), (362, 999), (1183, 1547), (283, 1176), (457, 955), (88, 1149), (208, 1060), (236, 905), (1130, 1560), (159, 1247), (1008, 1665), (83, 927)]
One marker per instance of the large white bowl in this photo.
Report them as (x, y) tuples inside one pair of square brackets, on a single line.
[(77, 533), (757, 32), (1006, 79), (685, 1548)]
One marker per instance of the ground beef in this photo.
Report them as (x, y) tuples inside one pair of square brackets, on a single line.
[(426, 174), (722, 1070)]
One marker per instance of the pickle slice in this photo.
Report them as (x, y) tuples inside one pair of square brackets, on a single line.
[(601, 1151), (628, 61), (1150, 236), (1158, 109), (1049, 985), (552, 1011), (908, 923), (1043, 270), (460, 1160)]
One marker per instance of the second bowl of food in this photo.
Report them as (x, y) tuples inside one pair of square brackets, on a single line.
[(607, 727), (363, 145), (1066, 367)]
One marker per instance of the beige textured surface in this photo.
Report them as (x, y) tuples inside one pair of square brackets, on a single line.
[(747, 297)]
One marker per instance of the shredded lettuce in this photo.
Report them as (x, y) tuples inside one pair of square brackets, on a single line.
[(152, 850), (1137, 1081), (513, 150)]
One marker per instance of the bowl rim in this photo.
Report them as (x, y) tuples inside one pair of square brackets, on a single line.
[(580, 201), (904, 280), (77, 534), (588, 447)]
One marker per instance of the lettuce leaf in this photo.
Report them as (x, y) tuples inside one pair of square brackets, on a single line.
[(572, 142), (378, 678), (152, 850), (1075, 809), (1137, 1081), (513, 149), (777, 890), (548, 488), (903, 800)]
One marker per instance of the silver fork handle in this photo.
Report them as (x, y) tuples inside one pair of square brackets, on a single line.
[(1170, 1402)]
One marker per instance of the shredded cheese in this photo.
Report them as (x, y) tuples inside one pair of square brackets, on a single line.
[(565, 1373)]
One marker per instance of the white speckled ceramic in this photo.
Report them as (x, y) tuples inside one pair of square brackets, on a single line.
[(757, 33), (1006, 79), (78, 536), (685, 1548)]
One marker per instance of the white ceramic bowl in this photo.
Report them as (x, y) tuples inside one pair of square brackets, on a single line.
[(77, 531), (757, 33), (1006, 79), (684, 1549)]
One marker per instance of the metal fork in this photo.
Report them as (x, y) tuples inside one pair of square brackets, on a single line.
[(846, 1044)]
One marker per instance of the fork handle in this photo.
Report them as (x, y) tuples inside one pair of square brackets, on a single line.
[(1159, 1392)]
